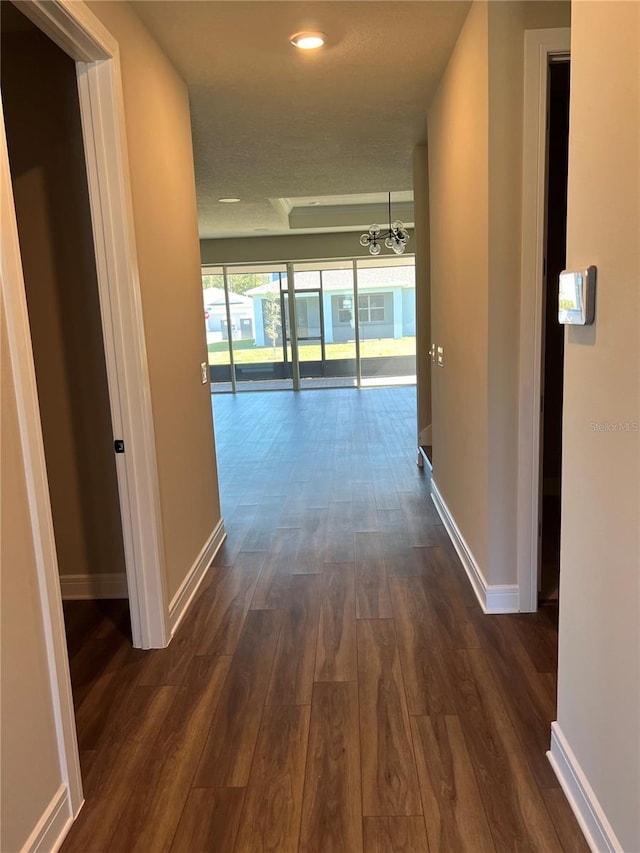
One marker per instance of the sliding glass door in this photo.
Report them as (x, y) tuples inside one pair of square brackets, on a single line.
[(353, 322), (259, 358), (336, 362), (387, 320), (216, 328)]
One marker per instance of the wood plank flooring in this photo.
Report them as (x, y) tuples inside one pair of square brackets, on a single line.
[(335, 687)]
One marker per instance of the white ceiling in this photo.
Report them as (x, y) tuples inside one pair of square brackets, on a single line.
[(280, 128)]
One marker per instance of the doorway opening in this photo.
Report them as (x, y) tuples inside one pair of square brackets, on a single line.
[(44, 135), (544, 189), (552, 332)]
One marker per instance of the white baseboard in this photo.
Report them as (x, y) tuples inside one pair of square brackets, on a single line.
[(423, 459), (50, 831), (189, 586), (589, 813), (74, 587), (502, 598), (493, 598)]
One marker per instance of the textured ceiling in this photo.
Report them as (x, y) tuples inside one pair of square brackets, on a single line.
[(274, 123)]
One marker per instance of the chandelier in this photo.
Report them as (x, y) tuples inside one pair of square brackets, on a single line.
[(394, 237)]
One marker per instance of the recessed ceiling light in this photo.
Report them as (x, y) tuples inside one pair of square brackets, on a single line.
[(229, 200), (308, 40)]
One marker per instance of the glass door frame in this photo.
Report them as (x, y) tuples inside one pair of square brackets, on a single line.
[(284, 298), (356, 308), (232, 366), (227, 270), (291, 294), (293, 328)]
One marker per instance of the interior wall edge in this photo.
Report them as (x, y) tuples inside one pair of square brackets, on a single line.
[(580, 795), (189, 587), (423, 288), (53, 825), (493, 598)]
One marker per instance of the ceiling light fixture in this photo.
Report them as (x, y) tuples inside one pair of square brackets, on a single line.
[(395, 237), (308, 40), (229, 200)]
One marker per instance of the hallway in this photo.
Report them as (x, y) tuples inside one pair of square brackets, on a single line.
[(335, 686)]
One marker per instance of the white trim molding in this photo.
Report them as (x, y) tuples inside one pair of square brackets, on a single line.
[(585, 805), (50, 831), (100, 91), (81, 587), (72, 26), (188, 588), (493, 598), (539, 47), (423, 459)]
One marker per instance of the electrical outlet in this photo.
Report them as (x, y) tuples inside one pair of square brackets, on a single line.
[(204, 373)]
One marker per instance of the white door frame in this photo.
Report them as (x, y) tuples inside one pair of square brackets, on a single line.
[(540, 46)]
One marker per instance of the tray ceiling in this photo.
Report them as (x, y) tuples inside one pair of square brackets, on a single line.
[(279, 128)]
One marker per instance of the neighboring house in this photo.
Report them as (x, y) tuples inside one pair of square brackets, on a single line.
[(215, 314), (386, 304)]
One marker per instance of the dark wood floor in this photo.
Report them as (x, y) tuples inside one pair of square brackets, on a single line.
[(335, 686)]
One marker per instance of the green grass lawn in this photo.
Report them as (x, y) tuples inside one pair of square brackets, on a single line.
[(246, 352)]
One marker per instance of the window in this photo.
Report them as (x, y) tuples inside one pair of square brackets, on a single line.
[(344, 307), (371, 308)]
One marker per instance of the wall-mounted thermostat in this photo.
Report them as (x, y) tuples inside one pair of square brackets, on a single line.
[(577, 297)]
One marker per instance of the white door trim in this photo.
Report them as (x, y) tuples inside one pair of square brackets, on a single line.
[(539, 46), (81, 35)]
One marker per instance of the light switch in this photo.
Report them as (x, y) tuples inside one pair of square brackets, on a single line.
[(440, 356), (204, 373), (576, 297)]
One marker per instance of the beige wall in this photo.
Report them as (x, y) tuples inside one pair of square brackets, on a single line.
[(546, 13), (165, 218), (44, 137), (458, 203), (31, 771), (506, 81), (285, 247), (599, 658), (475, 169), (423, 288)]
